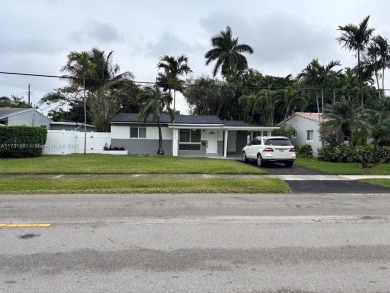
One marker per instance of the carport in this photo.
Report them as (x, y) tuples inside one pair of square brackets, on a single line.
[(237, 136)]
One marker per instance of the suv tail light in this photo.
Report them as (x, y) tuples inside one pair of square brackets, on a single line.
[(268, 150), (292, 150)]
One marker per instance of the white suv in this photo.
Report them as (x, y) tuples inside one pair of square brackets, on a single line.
[(270, 149)]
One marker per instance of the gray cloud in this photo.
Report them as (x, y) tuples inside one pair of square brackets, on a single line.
[(25, 44), (168, 44), (98, 32), (282, 43)]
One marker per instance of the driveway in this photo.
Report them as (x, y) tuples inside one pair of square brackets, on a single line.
[(321, 186)]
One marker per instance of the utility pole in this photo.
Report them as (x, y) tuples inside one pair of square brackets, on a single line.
[(29, 95)]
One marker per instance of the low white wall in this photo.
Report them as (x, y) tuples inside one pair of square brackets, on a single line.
[(62, 142)]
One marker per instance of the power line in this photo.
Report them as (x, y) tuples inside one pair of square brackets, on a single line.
[(188, 85)]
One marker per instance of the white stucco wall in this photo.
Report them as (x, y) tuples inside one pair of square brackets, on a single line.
[(302, 125), (123, 132), (28, 118)]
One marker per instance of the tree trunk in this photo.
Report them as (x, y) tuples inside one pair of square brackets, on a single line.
[(360, 78), (160, 142)]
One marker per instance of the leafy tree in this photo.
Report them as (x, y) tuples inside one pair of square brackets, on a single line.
[(209, 96), (153, 102), (356, 38), (227, 53), (13, 102)]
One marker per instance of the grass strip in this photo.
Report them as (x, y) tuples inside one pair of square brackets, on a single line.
[(141, 185), (380, 182), (111, 164), (342, 168)]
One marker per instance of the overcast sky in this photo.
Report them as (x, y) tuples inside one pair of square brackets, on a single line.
[(37, 35)]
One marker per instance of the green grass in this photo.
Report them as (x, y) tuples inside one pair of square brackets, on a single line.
[(342, 168), (110, 164), (140, 185), (380, 182)]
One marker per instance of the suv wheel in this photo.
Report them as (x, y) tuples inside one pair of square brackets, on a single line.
[(244, 158), (259, 161), (288, 164)]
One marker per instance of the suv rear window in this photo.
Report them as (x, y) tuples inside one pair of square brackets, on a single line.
[(278, 142)]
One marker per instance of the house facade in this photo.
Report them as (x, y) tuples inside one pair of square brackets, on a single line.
[(307, 126), (188, 135)]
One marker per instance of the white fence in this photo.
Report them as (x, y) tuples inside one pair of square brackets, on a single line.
[(62, 142)]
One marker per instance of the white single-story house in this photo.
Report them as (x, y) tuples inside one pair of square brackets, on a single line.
[(188, 135), (307, 126)]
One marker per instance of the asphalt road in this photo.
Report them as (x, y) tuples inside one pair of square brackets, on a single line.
[(196, 243)]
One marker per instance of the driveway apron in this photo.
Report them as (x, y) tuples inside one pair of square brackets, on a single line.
[(321, 186)]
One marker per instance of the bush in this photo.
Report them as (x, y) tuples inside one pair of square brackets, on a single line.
[(304, 151), (344, 153), (22, 141)]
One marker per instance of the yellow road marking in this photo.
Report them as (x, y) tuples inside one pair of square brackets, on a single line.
[(23, 225)]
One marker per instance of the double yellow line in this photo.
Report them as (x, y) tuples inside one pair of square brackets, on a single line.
[(24, 225)]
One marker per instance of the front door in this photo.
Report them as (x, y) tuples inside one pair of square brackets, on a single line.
[(212, 143)]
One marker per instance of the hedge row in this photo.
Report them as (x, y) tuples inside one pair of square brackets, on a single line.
[(344, 153), (22, 141)]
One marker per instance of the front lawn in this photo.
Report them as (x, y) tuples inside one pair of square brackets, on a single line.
[(342, 168), (111, 164), (140, 185)]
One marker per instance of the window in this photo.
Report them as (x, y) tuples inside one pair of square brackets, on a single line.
[(137, 132), (278, 142), (189, 139), (309, 134)]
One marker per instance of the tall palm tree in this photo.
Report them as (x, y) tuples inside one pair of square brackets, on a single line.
[(227, 53), (153, 102), (382, 49), (318, 77), (80, 65), (356, 37), (173, 68)]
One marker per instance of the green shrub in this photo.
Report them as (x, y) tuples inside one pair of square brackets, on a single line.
[(22, 141), (304, 151), (344, 153)]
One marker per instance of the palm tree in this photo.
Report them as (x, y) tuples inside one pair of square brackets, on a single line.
[(80, 65), (173, 68), (318, 76), (381, 47), (153, 103), (356, 38), (227, 52)]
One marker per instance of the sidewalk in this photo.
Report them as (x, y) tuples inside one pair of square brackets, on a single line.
[(282, 177)]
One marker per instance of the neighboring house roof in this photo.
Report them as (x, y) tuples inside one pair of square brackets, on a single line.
[(6, 112), (306, 115), (71, 124)]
